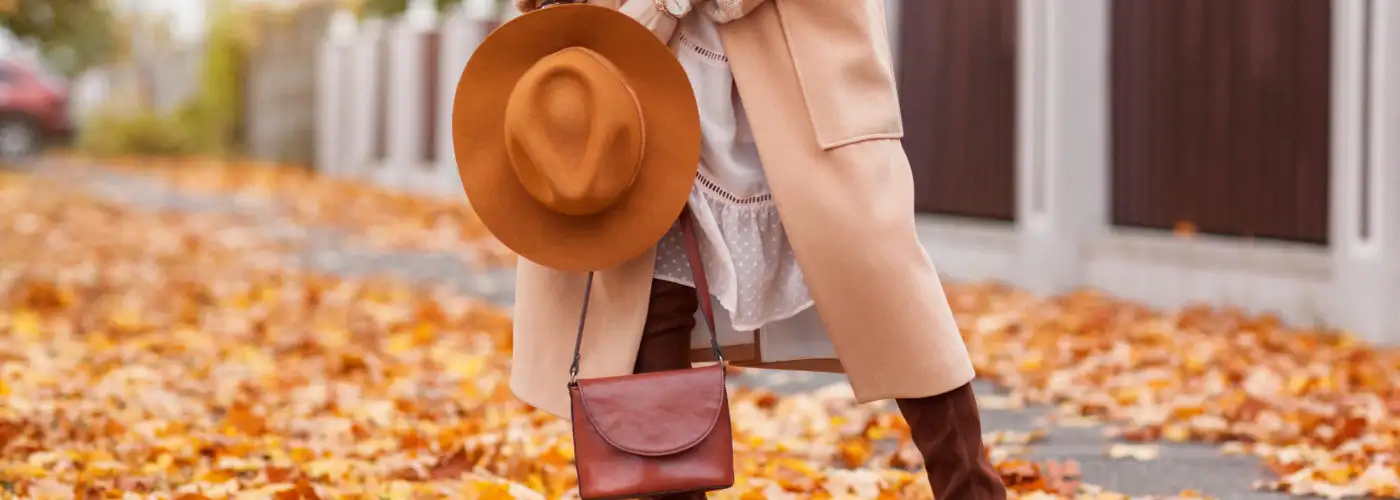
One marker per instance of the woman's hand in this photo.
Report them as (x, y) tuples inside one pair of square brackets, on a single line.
[(723, 11)]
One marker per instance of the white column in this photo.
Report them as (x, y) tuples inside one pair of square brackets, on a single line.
[(364, 87), (328, 112), (333, 94), (405, 166), (1385, 129), (1063, 136), (1365, 127)]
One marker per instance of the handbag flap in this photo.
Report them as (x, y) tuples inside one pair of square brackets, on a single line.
[(655, 414)]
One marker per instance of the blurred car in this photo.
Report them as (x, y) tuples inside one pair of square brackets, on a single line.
[(33, 108)]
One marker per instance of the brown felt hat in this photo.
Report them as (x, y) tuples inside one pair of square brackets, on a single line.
[(577, 136)]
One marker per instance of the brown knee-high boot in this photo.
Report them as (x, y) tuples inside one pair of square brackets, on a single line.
[(666, 334), (948, 433), (666, 338)]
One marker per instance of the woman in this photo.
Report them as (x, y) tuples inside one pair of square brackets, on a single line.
[(804, 205)]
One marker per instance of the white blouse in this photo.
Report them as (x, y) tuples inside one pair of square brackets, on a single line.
[(751, 269)]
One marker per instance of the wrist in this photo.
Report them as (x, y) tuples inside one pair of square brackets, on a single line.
[(673, 8)]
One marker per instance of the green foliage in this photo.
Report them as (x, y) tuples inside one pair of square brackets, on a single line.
[(215, 113), (72, 34), (390, 8), (111, 132), (206, 124)]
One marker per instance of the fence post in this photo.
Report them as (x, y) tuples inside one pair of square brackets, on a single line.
[(364, 93), (334, 107), (1062, 138), (1385, 155), (1365, 235), (403, 160)]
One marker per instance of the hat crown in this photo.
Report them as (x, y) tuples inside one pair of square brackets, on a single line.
[(574, 132)]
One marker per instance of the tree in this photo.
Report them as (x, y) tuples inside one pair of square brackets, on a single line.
[(71, 34)]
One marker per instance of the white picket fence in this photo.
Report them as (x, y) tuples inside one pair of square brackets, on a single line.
[(386, 88), (372, 114), (385, 95)]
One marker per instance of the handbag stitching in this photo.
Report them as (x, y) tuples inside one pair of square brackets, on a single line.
[(723, 396)]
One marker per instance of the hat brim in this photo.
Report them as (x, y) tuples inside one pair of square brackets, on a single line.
[(671, 150)]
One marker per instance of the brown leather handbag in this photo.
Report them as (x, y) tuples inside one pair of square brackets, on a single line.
[(654, 433)]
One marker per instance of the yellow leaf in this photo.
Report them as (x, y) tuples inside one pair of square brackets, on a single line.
[(126, 319), (535, 482), (487, 490), (401, 343), (424, 332), (467, 367), (400, 490), (558, 455), (854, 454), (1030, 364), (1297, 383), (1176, 433), (25, 325), (1139, 452), (1337, 474)]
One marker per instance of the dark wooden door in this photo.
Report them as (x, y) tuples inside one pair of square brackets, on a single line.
[(1220, 116), (957, 84)]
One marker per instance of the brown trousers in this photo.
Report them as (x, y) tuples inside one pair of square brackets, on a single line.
[(946, 428)]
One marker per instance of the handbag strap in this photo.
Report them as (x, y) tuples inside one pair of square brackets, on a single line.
[(702, 288)]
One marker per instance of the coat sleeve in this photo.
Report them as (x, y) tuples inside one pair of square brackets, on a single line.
[(723, 11), (644, 11)]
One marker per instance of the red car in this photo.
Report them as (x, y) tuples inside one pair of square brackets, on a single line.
[(33, 108)]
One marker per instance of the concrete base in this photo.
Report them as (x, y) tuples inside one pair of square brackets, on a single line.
[(1297, 282)]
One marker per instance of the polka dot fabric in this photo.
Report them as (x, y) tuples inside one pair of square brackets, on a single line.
[(752, 271)]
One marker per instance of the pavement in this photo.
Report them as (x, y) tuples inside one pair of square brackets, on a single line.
[(1196, 467)]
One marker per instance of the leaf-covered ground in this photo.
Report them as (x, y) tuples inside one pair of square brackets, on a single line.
[(188, 353)]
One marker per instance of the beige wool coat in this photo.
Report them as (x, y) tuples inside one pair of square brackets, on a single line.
[(816, 83)]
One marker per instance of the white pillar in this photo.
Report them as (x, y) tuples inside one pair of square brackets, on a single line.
[(1385, 154), (405, 165), (328, 112), (333, 95), (1365, 243), (420, 15), (1063, 136), (363, 87)]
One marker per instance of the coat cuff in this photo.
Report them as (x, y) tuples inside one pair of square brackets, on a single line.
[(723, 11), (644, 11)]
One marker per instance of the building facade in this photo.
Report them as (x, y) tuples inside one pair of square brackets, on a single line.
[(1240, 153)]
